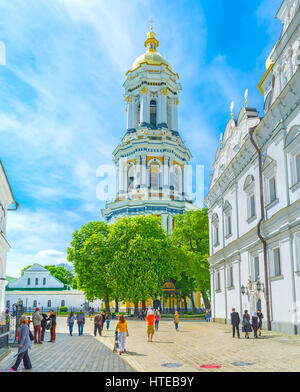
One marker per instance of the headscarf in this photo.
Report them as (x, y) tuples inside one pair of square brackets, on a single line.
[(150, 312)]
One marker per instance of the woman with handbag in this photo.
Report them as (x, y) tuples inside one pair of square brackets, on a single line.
[(25, 343), (121, 327), (52, 319), (246, 324)]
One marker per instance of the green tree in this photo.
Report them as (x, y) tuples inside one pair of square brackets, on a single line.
[(141, 259), (91, 255), (191, 239)]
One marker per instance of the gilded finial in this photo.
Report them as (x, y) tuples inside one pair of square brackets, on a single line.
[(231, 109), (246, 96)]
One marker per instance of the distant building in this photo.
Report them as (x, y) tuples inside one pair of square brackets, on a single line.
[(6, 199), (253, 200), (38, 288)]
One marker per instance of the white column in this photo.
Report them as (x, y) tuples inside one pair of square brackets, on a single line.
[(175, 115), (166, 189), (144, 172), (164, 221), (163, 116), (170, 224), (144, 109), (158, 110), (137, 171), (130, 114)]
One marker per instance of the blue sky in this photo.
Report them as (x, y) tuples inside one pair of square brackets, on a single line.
[(62, 105)]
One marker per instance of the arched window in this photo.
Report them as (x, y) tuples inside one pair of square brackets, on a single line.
[(154, 175), (130, 178), (215, 225), (153, 113)]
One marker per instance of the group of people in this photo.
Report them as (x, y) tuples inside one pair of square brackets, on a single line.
[(247, 326), (99, 321), (26, 338)]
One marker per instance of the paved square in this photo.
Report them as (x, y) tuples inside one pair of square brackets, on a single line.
[(197, 343)]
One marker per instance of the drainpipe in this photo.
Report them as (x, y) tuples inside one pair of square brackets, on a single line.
[(262, 218)]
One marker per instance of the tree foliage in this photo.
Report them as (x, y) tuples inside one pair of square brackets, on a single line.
[(140, 257), (91, 255), (190, 238)]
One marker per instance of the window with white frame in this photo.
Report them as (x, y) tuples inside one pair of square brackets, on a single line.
[(230, 276), (292, 146), (228, 219), (44, 281), (218, 280), (28, 281), (269, 171), (215, 226), (49, 303), (36, 281), (249, 188), (254, 267), (275, 263), (35, 303)]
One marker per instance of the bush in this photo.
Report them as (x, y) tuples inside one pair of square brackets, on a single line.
[(63, 309)]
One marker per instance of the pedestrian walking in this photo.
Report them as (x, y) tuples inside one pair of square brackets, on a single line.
[(107, 320), (260, 317), (24, 345), (122, 329), (157, 317), (235, 322), (70, 322), (43, 326), (91, 313), (255, 322), (246, 324), (103, 320), (98, 324), (36, 321), (80, 322), (207, 315), (52, 319), (150, 324), (176, 320)]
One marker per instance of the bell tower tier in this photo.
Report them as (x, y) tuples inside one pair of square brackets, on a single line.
[(152, 158)]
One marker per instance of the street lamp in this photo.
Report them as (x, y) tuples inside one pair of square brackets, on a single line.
[(260, 286), (243, 290)]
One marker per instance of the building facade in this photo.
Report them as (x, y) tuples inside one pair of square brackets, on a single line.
[(253, 200), (6, 200), (152, 158), (38, 288)]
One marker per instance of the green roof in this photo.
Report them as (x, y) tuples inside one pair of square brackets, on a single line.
[(36, 289), (10, 279)]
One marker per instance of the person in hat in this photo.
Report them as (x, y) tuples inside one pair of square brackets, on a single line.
[(36, 321), (150, 324), (24, 345)]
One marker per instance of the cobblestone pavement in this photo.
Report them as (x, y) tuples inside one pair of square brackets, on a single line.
[(197, 343), (70, 354)]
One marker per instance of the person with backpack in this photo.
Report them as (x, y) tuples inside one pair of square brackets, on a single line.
[(25, 344), (246, 324), (43, 326), (80, 322), (36, 321), (98, 324)]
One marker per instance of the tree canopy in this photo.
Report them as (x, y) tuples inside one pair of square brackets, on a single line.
[(90, 254), (191, 240), (141, 259)]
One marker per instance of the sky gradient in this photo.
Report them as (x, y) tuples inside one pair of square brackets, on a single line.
[(62, 109)]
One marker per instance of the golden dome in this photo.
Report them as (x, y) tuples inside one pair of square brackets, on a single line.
[(151, 57)]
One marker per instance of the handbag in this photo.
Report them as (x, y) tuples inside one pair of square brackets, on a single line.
[(48, 326), (31, 335)]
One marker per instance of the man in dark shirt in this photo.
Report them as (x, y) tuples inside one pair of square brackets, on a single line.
[(235, 321)]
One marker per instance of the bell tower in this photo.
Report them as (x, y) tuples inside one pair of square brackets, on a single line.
[(152, 158)]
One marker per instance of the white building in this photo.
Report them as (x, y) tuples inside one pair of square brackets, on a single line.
[(6, 200), (38, 288), (253, 200)]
